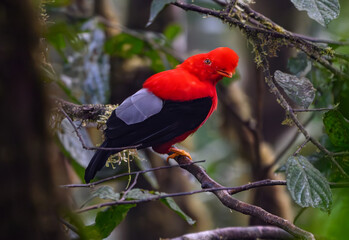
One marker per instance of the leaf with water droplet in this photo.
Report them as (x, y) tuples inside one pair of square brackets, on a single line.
[(322, 11), (300, 90), (306, 184), (337, 128)]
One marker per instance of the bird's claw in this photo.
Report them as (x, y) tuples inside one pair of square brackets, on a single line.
[(176, 153)]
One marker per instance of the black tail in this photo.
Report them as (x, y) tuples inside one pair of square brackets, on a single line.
[(97, 162)]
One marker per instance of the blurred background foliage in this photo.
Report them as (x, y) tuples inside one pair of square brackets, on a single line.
[(101, 52)]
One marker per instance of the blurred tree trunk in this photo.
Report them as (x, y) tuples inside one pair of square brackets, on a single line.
[(269, 114), (29, 198)]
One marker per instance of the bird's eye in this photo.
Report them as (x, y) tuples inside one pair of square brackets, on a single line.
[(207, 61)]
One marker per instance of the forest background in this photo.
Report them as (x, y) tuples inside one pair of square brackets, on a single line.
[(282, 120)]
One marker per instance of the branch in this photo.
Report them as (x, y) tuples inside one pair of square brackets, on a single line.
[(242, 207), (90, 112), (268, 29), (208, 185), (282, 101), (312, 110), (223, 195), (262, 183), (289, 144), (260, 232), (93, 184)]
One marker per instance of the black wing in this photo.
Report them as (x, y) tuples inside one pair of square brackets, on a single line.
[(144, 120), (174, 119)]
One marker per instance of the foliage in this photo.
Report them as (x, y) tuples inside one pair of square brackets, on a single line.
[(107, 220), (311, 84), (322, 11), (337, 128), (156, 7), (306, 184), (300, 90)]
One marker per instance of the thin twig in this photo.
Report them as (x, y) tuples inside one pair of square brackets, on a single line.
[(301, 146), (68, 225), (298, 215), (130, 188), (319, 40), (262, 183), (239, 233), (93, 184), (312, 110), (156, 197), (290, 143)]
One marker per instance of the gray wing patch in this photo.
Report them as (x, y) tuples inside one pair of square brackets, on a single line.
[(138, 107)]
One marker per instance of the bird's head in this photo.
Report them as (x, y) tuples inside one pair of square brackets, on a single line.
[(214, 65)]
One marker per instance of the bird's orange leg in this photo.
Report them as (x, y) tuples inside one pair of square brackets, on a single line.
[(175, 152)]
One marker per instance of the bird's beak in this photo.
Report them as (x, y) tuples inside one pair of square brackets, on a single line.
[(225, 74)]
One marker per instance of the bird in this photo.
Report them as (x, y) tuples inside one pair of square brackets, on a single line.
[(169, 107)]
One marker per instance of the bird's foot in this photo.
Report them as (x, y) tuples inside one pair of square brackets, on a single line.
[(175, 152)]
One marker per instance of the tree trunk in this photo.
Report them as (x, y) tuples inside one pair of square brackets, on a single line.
[(29, 198)]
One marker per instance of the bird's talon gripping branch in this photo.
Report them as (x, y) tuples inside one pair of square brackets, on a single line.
[(175, 152)]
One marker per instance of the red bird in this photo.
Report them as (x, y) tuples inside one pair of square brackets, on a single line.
[(171, 105)]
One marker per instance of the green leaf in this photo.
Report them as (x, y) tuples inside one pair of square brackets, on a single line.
[(124, 45), (337, 128), (106, 192), (172, 31), (300, 90), (323, 83), (298, 65), (169, 202), (140, 194), (156, 63), (155, 8), (307, 186), (322, 11), (60, 34), (106, 221)]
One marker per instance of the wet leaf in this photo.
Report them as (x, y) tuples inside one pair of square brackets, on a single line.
[(169, 202), (106, 221), (300, 90), (337, 128), (307, 186), (323, 83), (140, 194), (106, 192), (155, 9), (322, 11)]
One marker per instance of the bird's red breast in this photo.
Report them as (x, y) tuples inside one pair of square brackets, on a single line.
[(195, 78)]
